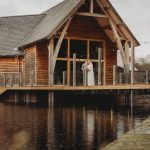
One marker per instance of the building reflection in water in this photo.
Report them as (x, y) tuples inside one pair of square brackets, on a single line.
[(36, 127)]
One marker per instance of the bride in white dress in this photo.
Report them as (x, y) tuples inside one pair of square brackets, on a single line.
[(88, 73)]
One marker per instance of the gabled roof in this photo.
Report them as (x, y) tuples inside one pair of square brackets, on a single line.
[(120, 24), (24, 30), (15, 28), (54, 18)]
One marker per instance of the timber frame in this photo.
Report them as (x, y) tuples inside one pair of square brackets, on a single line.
[(123, 45)]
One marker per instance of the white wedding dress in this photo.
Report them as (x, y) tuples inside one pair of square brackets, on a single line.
[(90, 75)]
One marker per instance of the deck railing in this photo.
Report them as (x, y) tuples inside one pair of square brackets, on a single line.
[(8, 79), (140, 77)]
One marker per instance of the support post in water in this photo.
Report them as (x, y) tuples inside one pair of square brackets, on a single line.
[(131, 103), (114, 74), (64, 78), (16, 97), (51, 99), (99, 66), (147, 77), (74, 69), (27, 97)]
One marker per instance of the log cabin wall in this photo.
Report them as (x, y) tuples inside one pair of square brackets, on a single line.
[(42, 64), (88, 28), (10, 64), (29, 65)]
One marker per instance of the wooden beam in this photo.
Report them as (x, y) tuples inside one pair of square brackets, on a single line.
[(120, 47), (57, 48), (105, 10), (107, 27), (50, 61), (78, 60), (91, 6), (92, 15)]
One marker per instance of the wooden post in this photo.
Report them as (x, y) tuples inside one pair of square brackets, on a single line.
[(64, 78), (18, 70), (68, 63), (50, 62), (24, 75), (74, 69), (132, 62), (5, 80), (147, 77), (120, 77), (131, 103), (99, 66), (127, 62), (114, 74), (11, 84), (20, 78), (91, 6), (104, 63)]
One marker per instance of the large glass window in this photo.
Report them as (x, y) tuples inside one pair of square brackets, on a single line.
[(58, 76), (94, 45), (63, 49), (79, 47)]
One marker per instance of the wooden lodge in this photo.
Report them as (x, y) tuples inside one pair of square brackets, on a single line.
[(57, 42)]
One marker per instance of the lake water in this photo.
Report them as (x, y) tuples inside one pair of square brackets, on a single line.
[(70, 125)]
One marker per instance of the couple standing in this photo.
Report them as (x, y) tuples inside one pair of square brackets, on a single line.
[(88, 73)]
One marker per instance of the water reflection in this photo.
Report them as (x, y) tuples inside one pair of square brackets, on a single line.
[(68, 127)]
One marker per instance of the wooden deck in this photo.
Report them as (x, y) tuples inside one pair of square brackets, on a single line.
[(76, 88), (136, 139), (2, 90), (80, 88)]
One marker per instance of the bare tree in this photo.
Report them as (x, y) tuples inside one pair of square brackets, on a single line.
[(143, 64)]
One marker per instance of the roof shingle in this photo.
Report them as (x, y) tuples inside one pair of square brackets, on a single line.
[(53, 18), (14, 29)]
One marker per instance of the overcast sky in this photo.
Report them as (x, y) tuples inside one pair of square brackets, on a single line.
[(135, 13)]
